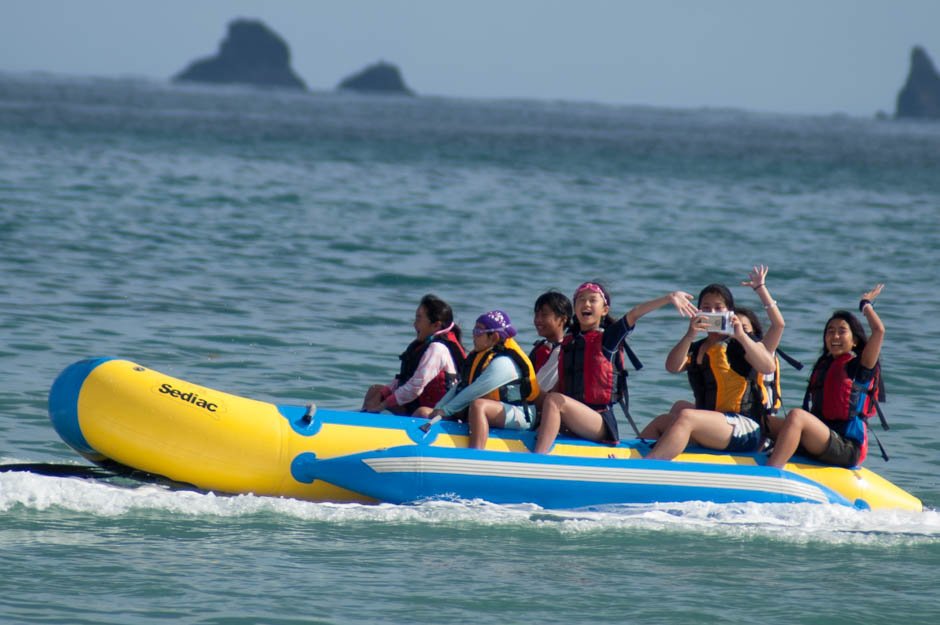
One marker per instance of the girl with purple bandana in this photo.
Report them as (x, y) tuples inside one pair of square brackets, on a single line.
[(590, 364), (498, 384)]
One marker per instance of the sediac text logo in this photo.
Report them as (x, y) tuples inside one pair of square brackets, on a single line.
[(189, 397)]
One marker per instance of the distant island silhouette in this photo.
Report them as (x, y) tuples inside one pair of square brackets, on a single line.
[(250, 54), (380, 77), (253, 54), (920, 96)]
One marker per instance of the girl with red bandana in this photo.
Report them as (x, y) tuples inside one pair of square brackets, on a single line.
[(590, 365)]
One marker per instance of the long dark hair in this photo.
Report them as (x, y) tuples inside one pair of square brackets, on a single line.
[(720, 290), (756, 328), (439, 310), (861, 339), (858, 331)]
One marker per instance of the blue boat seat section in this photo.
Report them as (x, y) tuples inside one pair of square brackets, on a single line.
[(299, 421)]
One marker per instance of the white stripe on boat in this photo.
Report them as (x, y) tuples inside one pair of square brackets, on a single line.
[(612, 475)]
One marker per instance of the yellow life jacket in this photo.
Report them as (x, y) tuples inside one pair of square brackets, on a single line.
[(725, 381), (529, 386), (771, 391)]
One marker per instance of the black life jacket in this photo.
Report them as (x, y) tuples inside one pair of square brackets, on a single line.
[(436, 388)]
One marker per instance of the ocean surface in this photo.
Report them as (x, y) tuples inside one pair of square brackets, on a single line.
[(275, 245)]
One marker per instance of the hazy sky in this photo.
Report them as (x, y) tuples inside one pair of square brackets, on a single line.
[(791, 56)]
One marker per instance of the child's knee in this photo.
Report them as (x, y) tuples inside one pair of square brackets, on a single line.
[(687, 419), (554, 400), (796, 416), (678, 407)]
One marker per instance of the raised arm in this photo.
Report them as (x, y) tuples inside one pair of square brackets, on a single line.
[(680, 299), (755, 353), (678, 357), (757, 280), (873, 346)]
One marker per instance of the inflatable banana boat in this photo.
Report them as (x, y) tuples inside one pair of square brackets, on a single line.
[(116, 412)]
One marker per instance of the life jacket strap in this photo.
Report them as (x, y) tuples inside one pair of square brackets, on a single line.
[(632, 356), (881, 415), (625, 406), (793, 362), (884, 454)]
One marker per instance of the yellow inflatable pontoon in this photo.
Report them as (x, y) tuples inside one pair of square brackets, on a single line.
[(116, 411)]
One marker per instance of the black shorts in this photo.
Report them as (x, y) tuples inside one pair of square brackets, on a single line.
[(841, 451), (612, 432), (610, 424)]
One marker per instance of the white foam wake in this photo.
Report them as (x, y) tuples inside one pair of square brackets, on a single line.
[(788, 522)]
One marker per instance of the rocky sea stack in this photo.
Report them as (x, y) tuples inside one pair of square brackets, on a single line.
[(920, 96), (251, 54), (378, 78)]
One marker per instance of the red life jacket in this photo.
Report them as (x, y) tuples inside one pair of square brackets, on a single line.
[(840, 401), (438, 386), (540, 353), (586, 375)]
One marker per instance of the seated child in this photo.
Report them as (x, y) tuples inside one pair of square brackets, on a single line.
[(591, 364), (724, 373), (497, 386), (832, 425), (552, 314), (429, 364)]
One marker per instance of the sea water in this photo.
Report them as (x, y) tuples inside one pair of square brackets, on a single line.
[(275, 245)]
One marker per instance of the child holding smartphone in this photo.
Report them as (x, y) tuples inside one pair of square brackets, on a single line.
[(723, 370)]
